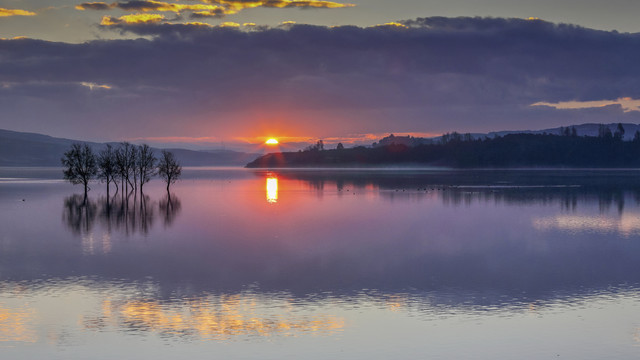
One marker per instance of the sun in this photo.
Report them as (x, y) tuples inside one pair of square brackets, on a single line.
[(271, 141)]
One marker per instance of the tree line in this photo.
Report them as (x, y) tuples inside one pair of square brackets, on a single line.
[(607, 150), (130, 166)]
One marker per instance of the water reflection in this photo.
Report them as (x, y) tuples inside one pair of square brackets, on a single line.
[(16, 324), (464, 188), (272, 189), (126, 214), (170, 207), (339, 250), (627, 224), (466, 231), (79, 214), (213, 317)]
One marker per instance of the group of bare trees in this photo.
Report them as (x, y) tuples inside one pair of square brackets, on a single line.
[(130, 165)]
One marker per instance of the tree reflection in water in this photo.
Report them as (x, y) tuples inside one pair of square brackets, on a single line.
[(127, 214), (170, 208), (79, 214)]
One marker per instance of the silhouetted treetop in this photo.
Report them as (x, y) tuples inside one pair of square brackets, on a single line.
[(168, 168), (456, 150), (80, 165)]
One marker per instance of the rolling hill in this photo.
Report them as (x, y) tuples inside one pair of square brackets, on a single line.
[(31, 149)]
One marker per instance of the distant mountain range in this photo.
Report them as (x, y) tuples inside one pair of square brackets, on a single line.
[(581, 130), (30, 149)]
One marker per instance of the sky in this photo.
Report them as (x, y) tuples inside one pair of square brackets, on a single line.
[(232, 73)]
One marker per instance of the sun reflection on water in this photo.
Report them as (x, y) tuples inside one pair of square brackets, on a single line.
[(272, 189)]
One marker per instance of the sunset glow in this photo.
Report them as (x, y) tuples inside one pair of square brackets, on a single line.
[(271, 141)]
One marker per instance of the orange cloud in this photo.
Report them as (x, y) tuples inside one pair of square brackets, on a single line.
[(282, 4), (93, 86), (15, 38), (15, 12), (197, 23), (230, 24), (627, 104), (149, 5), (132, 19), (394, 24), (210, 8), (287, 23)]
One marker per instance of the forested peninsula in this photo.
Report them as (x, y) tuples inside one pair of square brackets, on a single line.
[(607, 150)]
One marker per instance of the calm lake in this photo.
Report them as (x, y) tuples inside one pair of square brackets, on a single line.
[(323, 264)]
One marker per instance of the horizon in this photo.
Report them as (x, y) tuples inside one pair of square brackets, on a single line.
[(283, 145)]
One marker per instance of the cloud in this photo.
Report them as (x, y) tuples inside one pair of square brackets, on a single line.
[(156, 6), (94, 86), (393, 24), (215, 13), (208, 8), (15, 12), (433, 75), (627, 104), (292, 3), (133, 19), (230, 24), (150, 5), (94, 6)]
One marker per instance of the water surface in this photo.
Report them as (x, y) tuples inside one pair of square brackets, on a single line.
[(368, 264)]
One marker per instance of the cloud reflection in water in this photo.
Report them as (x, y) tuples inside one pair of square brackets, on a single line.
[(626, 225), (213, 317)]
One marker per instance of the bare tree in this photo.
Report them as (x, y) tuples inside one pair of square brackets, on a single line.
[(120, 166), (133, 164), (169, 168), (81, 165), (125, 161), (107, 167), (145, 164)]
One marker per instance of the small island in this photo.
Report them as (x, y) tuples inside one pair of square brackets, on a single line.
[(606, 150)]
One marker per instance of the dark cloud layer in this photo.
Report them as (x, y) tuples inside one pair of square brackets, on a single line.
[(94, 6), (430, 74)]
